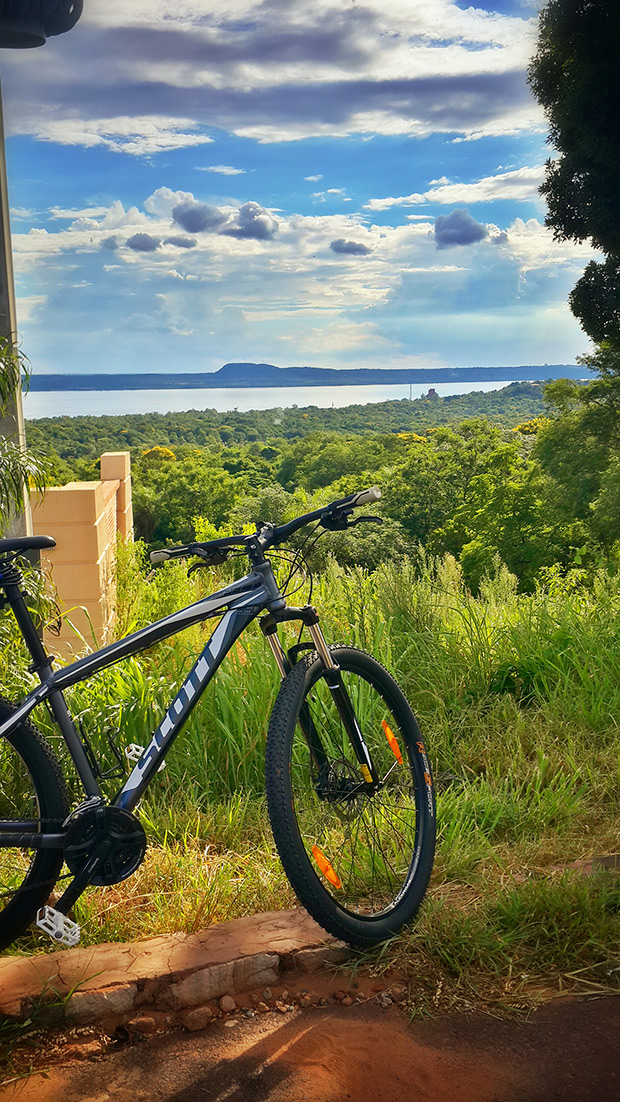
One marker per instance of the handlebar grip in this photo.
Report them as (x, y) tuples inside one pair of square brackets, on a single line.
[(365, 497), (159, 556)]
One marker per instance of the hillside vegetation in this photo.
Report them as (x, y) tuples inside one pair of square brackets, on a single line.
[(526, 474), (491, 591)]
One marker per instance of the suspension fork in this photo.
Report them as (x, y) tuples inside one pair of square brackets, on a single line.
[(333, 679), (344, 707), (283, 661)]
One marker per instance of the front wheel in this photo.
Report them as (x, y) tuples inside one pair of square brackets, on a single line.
[(358, 855)]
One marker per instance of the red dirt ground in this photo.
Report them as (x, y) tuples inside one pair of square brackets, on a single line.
[(569, 1051)]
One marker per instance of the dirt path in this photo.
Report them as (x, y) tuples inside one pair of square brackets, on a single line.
[(568, 1051)]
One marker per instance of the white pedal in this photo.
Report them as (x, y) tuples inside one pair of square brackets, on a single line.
[(58, 926), (134, 752)]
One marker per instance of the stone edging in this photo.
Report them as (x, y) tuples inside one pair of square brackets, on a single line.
[(166, 980)]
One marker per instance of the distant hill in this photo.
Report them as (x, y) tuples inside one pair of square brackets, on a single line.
[(268, 375)]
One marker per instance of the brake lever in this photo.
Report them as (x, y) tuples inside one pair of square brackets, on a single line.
[(336, 521), (214, 559), (368, 520)]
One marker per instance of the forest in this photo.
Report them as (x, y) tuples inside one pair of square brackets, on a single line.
[(528, 473)]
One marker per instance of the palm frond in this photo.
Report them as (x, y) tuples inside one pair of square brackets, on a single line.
[(19, 470), (14, 368)]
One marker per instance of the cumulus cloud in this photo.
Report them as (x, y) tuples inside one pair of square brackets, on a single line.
[(350, 248), (458, 228), (110, 243), (252, 220), (181, 242), (163, 200), (410, 296), (143, 243), (195, 217)]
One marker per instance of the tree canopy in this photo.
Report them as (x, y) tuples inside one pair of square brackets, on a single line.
[(575, 76)]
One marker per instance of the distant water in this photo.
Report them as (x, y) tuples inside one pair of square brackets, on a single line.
[(80, 403)]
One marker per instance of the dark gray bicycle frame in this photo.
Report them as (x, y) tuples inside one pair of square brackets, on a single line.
[(243, 601)]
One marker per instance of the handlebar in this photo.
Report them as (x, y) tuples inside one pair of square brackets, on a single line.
[(211, 547), (332, 517)]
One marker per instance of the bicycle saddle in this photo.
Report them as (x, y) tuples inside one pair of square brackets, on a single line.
[(26, 543)]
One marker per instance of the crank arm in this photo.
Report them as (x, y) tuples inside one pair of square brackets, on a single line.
[(82, 879)]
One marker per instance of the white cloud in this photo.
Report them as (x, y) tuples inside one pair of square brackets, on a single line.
[(27, 305), (292, 287), (223, 170), (71, 214), (139, 136), (273, 71), (520, 184), (164, 199), (391, 201)]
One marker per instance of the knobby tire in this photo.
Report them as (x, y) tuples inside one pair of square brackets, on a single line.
[(32, 789), (359, 860)]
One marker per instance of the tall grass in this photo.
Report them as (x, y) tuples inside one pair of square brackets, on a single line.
[(504, 684), (519, 700)]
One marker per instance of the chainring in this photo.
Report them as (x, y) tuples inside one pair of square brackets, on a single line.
[(111, 833)]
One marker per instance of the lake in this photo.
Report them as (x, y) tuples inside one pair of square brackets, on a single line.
[(80, 403)]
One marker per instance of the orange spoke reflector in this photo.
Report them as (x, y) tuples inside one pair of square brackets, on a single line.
[(325, 867), (394, 747)]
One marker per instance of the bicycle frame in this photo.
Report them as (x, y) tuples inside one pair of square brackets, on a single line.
[(243, 600)]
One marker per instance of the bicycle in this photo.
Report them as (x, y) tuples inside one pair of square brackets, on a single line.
[(349, 789)]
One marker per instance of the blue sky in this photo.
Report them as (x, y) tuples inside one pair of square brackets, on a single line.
[(347, 184)]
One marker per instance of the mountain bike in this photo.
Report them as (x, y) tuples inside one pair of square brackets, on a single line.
[(349, 789)]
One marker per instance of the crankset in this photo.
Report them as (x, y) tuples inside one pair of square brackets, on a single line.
[(110, 836)]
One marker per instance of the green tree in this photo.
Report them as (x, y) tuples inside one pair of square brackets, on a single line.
[(575, 76), (579, 453), (425, 491), (507, 514), (169, 494)]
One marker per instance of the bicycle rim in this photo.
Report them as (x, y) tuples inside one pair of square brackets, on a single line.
[(358, 856), (19, 803)]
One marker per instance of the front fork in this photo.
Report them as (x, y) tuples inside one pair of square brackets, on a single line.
[(333, 679)]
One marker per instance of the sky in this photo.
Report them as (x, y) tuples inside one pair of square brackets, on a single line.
[(339, 184)]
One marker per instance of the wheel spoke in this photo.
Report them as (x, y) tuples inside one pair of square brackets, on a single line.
[(378, 839), (373, 835)]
